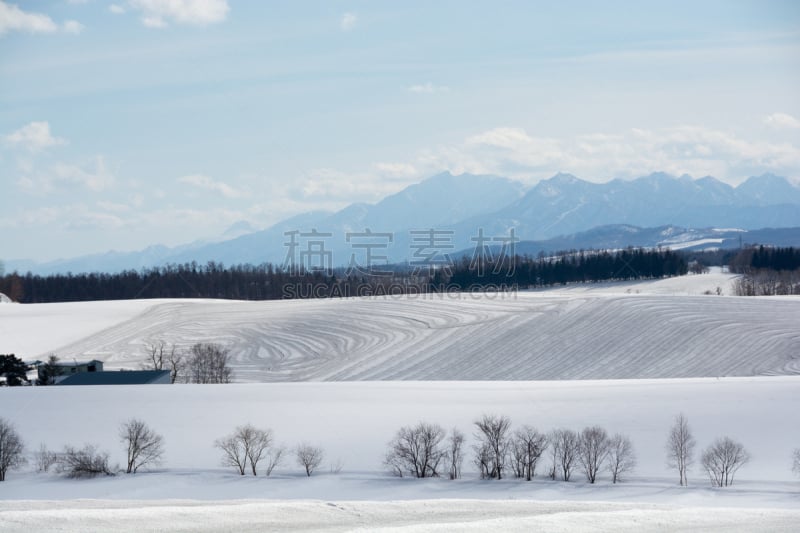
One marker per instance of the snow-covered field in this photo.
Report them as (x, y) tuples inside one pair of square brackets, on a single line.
[(354, 421), (407, 516), (487, 348), (607, 331)]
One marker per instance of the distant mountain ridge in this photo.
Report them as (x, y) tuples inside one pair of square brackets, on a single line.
[(619, 236), (460, 206)]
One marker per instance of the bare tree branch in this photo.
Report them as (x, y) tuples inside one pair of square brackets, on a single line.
[(309, 457), (722, 460), (11, 448), (144, 446), (621, 457), (680, 447)]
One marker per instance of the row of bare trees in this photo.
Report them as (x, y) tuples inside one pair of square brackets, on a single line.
[(202, 363), (249, 446), (427, 450), (767, 283), (420, 451), (143, 447), (721, 460), (423, 450)]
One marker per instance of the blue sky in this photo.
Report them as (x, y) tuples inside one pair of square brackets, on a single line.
[(136, 122)]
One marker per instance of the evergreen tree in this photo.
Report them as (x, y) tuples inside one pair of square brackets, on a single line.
[(14, 370)]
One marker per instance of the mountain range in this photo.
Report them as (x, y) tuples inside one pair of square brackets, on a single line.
[(558, 213)]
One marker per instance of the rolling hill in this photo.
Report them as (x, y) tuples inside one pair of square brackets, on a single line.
[(636, 330)]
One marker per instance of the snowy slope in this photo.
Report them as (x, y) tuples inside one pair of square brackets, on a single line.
[(38, 329), (541, 335)]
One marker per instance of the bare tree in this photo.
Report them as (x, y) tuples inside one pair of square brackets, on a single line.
[(309, 457), (208, 363), (45, 459), (11, 448), (274, 457), (493, 432), (177, 366), (455, 453), (336, 468), (84, 462), (248, 444), (527, 447), (164, 356), (155, 354), (592, 451), (416, 450), (566, 444), (680, 447), (722, 460), (256, 443), (483, 459), (621, 457), (796, 461), (233, 452), (144, 446)]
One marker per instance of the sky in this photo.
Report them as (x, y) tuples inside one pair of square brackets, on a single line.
[(137, 122)]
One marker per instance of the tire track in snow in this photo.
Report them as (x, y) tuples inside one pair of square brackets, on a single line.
[(532, 336)]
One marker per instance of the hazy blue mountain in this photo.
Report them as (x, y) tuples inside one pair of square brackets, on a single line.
[(563, 205), (618, 236), (438, 201), (767, 189)]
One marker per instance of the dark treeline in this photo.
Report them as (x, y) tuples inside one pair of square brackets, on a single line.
[(571, 267), (766, 271), (267, 282), (765, 258)]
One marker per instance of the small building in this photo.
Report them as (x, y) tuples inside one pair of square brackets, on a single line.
[(66, 368), (74, 367), (118, 377)]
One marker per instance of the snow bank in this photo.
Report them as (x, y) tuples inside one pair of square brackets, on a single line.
[(408, 516)]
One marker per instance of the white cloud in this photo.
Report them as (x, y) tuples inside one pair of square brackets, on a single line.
[(73, 26), (428, 88), (331, 189), (34, 137), (94, 176), (154, 22), (115, 207), (159, 13), (73, 217), (204, 182), (116, 9), (693, 150), (348, 21), (782, 121), (397, 170), (12, 18)]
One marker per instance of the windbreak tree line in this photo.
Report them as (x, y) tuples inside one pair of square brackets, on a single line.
[(269, 282), (765, 258), (766, 271), (570, 267), (423, 450)]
